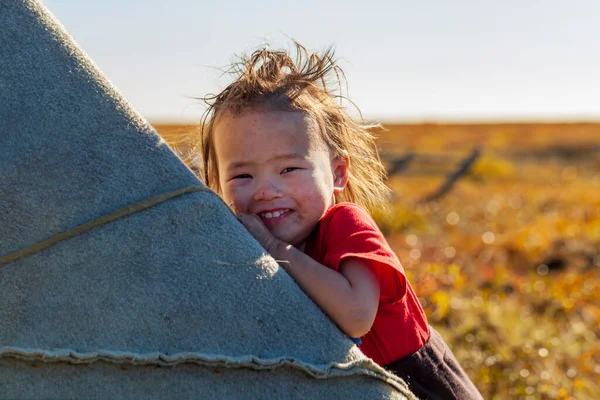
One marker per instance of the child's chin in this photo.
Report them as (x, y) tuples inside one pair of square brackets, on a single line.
[(286, 238), (295, 241)]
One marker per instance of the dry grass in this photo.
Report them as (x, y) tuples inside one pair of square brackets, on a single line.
[(507, 264)]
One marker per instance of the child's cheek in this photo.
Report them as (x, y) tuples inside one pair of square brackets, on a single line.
[(237, 198)]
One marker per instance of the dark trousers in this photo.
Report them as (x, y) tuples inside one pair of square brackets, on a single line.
[(432, 372)]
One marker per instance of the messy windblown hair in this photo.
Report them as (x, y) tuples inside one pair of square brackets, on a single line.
[(273, 80)]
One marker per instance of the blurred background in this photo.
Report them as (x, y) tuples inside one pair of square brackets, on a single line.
[(491, 137)]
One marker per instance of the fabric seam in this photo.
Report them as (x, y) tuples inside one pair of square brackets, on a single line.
[(317, 371)]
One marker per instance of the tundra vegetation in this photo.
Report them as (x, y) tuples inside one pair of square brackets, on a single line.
[(507, 262)]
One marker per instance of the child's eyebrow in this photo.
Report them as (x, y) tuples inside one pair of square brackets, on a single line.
[(285, 156), (238, 164)]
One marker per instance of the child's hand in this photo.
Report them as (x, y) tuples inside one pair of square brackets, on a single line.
[(260, 232)]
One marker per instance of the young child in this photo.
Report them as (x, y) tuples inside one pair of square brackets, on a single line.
[(297, 170)]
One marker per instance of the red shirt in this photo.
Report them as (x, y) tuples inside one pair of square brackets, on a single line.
[(400, 327)]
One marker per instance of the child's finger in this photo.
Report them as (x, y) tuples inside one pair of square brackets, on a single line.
[(251, 222), (245, 219)]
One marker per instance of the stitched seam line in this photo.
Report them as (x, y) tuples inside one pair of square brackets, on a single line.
[(319, 371)]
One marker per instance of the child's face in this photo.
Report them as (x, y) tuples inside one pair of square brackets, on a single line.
[(275, 164)]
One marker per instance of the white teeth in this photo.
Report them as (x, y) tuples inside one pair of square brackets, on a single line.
[(274, 214)]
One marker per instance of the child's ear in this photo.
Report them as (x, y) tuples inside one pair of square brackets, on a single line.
[(340, 166)]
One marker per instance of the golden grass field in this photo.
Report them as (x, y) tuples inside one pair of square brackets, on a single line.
[(507, 264)]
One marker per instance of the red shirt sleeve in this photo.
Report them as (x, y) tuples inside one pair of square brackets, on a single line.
[(400, 326), (349, 231)]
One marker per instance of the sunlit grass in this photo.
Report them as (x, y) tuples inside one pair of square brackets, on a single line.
[(507, 269), (507, 264)]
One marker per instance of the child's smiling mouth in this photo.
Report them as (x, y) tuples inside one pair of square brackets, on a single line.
[(273, 215)]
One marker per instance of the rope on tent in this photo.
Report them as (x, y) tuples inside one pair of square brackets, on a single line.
[(120, 213)]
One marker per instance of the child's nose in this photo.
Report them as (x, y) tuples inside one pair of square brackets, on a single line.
[(267, 190)]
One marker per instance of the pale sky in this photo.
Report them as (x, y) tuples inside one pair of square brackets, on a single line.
[(406, 61)]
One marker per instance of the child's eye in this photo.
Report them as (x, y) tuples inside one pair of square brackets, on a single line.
[(290, 169), (242, 176)]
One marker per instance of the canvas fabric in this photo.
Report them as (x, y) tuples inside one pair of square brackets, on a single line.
[(176, 300)]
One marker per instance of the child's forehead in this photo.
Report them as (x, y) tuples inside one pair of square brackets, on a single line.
[(264, 134), (263, 114), (276, 124)]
